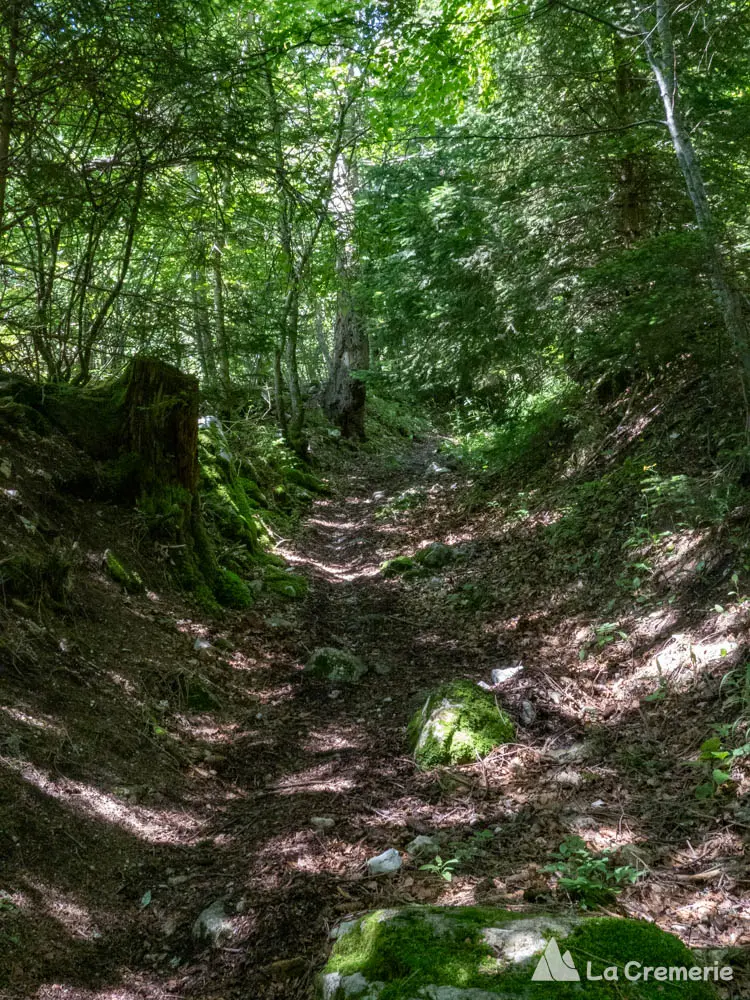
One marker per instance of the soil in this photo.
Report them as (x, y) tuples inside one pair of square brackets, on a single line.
[(144, 779)]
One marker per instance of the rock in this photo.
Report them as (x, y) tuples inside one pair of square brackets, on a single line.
[(127, 578), (458, 723), (213, 925), (386, 863), (479, 953), (573, 754), (433, 469), (569, 778), (201, 644), (435, 555), (502, 674), (322, 823), (400, 566), (423, 847), (335, 665), (528, 713)]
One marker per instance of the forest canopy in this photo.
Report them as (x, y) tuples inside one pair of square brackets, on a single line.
[(478, 202)]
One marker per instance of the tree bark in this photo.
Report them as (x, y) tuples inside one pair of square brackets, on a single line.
[(663, 62), (345, 396), (12, 19)]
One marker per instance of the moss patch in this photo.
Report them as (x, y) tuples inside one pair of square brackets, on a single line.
[(444, 951), (231, 591), (278, 581), (457, 724), (399, 566), (127, 578), (335, 665)]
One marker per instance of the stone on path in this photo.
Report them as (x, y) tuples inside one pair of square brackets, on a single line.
[(213, 925), (386, 863), (338, 666), (459, 723)]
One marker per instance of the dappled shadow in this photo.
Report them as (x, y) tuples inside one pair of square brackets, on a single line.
[(130, 816)]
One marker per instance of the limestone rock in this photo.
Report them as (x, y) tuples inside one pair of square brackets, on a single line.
[(337, 666), (502, 674), (476, 953), (435, 555), (458, 723), (423, 847), (213, 925), (386, 863)]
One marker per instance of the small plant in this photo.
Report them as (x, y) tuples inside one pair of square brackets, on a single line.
[(604, 635), (735, 689), (592, 879), (475, 847), (442, 868), (715, 761)]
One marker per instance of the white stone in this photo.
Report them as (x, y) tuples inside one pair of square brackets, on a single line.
[(502, 674), (322, 822), (523, 939), (385, 863), (213, 925)]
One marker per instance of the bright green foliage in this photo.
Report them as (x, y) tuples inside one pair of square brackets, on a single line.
[(338, 666), (591, 878), (459, 723), (416, 947), (127, 578)]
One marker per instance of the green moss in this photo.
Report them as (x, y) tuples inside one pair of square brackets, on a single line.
[(278, 581), (306, 480), (399, 566), (409, 950), (231, 591), (435, 555), (335, 665), (458, 723), (127, 578)]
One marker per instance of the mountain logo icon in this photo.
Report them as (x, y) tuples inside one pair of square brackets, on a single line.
[(554, 967)]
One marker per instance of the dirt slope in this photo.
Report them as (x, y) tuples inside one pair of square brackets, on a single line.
[(144, 779)]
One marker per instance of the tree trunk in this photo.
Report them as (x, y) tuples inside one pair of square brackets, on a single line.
[(630, 172), (663, 64), (222, 341), (345, 395), (12, 19), (160, 424)]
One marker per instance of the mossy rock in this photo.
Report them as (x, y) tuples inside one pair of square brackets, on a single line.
[(119, 572), (337, 666), (231, 591), (477, 953), (279, 581), (435, 555), (458, 723), (400, 566), (306, 481)]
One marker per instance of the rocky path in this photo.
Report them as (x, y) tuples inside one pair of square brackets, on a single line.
[(129, 814), (339, 785)]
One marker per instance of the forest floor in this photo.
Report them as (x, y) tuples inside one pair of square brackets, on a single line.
[(125, 814)]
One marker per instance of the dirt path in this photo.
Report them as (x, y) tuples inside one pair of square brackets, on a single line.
[(128, 816)]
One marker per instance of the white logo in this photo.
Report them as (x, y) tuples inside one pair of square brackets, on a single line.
[(554, 967)]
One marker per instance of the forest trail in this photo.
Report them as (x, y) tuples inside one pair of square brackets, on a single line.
[(340, 752), (133, 814)]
